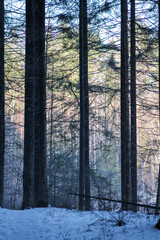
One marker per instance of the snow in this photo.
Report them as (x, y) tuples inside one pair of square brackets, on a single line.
[(62, 224)]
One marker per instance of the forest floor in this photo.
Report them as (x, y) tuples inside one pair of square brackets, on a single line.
[(62, 224)]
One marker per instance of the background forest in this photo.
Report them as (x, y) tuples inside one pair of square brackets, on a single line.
[(62, 98)]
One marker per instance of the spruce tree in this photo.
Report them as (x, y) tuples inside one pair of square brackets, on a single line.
[(29, 126), (133, 110), (124, 106), (2, 102), (41, 195), (34, 175), (84, 175)]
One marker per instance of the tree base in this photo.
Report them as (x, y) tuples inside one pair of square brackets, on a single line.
[(158, 224), (42, 204)]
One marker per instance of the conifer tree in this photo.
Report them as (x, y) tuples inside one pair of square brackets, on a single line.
[(124, 106), (29, 127), (41, 195), (34, 176), (84, 175), (2, 101), (158, 189), (133, 110)]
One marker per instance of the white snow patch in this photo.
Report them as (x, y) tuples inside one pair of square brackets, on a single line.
[(62, 224)]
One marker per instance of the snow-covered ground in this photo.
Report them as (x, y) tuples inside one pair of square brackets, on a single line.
[(61, 224)]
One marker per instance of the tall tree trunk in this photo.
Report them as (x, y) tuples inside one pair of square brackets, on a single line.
[(34, 175), (29, 138), (159, 56), (133, 111), (84, 177), (41, 193), (124, 106), (2, 102), (158, 190)]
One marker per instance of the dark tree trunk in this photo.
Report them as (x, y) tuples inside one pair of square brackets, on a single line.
[(133, 111), (124, 106), (29, 138), (158, 189), (2, 102), (158, 194), (41, 195), (159, 56), (84, 176), (34, 176)]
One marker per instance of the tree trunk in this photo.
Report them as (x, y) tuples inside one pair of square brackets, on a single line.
[(41, 193), (2, 102), (84, 177), (34, 176), (158, 189), (29, 140), (159, 56), (124, 106), (133, 111), (158, 194)]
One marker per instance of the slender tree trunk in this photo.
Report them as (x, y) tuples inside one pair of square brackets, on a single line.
[(158, 190), (29, 140), (133, 110), (159, 56), (84, 177), (41, 193), (124, 106), (158, 194), (2, 102)]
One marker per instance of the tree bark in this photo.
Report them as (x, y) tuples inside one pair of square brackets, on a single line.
[(34, 176), (29, 136), (158, 189), (124, 106), (84, 176), (159, 56), (2, 102), (41, 193), (133, 110)]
